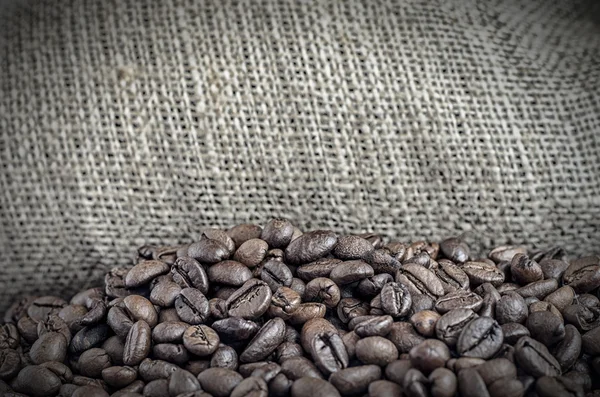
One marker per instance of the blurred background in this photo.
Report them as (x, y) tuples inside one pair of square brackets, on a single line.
[(131, 122)]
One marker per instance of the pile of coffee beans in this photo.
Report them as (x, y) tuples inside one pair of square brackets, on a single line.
[(272, 311)]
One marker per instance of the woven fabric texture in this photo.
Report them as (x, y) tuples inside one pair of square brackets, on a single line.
[(124, 122)]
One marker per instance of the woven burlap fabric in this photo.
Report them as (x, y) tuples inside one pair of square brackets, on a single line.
[(124, 122)]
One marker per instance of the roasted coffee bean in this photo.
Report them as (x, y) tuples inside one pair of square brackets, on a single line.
[(561, 298), (171, 352), (252, 252), (298, 367), (313, 387), (545, 307), (244, 232), (443, 383), (420, 280), (322, 341), (396, 370), (37, 381), (455, 249), (538, 289), (10, 363), (464, 362), (376, 350), (535, 359), (182, 381), (61, 370), (234, 329), (27, 329), (470, 384), (513, 332), (219, 382), (421, 302), (250, 301), (88, 337), (144, 272), (137, 344), (89, 391), (189, 273), (114, 282), (371, 286), (208, 250), (375, 326), (450, 325), (452, 277), (545, 327), (139, 308), (280, 386), (51, 346), (553, 268), (322, 290), (382, 261), (482, 272), (92, 362), (351, 271), (119, 377), (284, 303), (41, 307), (276, 274), (568, 350), (287, 350), (415, 384), (583, 275), (267, 372), (150, 370), (458, 300), (229, 273), (506, 253), (224, 357), (319, 268), (265, 341), (9, 336), (396, 299), (591, 342), (201, 340), (165, 293), (429, 355), (278, 233), (251, 387), (192, 306), (355, 380), (298, 285), (71, 314), (481, 338), (352, 247), (549, 386), (582, 317), (404, 337), (310, 246), (348, 308), (119, 321), (498, 368), (525, 270), (511, 308), (425, 321), (157, 388), (53, 323), (169, 331)]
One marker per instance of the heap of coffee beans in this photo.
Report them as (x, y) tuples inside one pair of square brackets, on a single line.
[(271, 311)]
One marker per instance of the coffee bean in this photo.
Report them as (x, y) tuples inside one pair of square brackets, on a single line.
[(10, 363), (276, 274), (150, 370), (209, 250), (182, 381), (524, 270), (157, 388), (591, 342), (513, 332), (425, 321), (481, 338), (139, 308), (88, 337), (348, 308), (319, 268), (415, 384), (404, 337), (252, 252), (583, 275), (89, 391), (321, 340), (189, 273), (376, 326), (458, 300), (396, 299), (376, 350), (224, 357), (452, 277), (165, 293), (192, 306), (171, 352), (137, 344), (561, 298), (119, 377), (568, 350), (235, 329), (352, 247), (322, 290), (548, 386), (482, 272), (582, 317), (144, 272), (313, 387), (545, 327), (51, 346), (219, 382), (443, 383), (545, 307), (41, 307), (470, 384), (355, 380), (201, 340), (506, 253), (351, 271), (420, 280), (535, 359), (310, 246), (27, 329), (229, 273), (250, 301), (455, 249), (382, 261), (511, 308), (429, 355), (244, 232), (298, 367), (251, 387), (37, 381), (93, 361), (265, 341), (450, 325), (9, 336)]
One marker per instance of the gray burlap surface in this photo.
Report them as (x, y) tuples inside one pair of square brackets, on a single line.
[(123, 122)]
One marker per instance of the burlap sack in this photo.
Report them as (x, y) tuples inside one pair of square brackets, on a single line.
[(125, 122)]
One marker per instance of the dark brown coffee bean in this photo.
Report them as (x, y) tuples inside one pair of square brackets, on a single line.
[(251, 387), (313, 387), (10, 363), (429, 355), (481, 338), (37, 381), (201, 340), (322, 290), (169, 331), (165, 293), (470, 384), (250, 301), (182, 381), (511, 308), (88, 337), (265, 341), (27, 329), (229, 273), (157, 388), (310, 246), (376, 326), (171, 352), (498, 368), (553, 268), (371, 286), (224, 357), (139, 308), (546, 327), (119, 377), (443, 383), (219, 382), (583, 275), (384, 388), (41, 307), (582, 317), (561, 298), (525, 270), (535, 359), (455, 249), (189, 273), (482, 272), (355, 380), (284, 303), (319, 268), (450, 325), (396, 370), (568, 350), (114, 347), (192, 306), (404, 337), (513, 332), (591, 342), (348, 308), (539, 289), (252, 252), (93, 361), (425, 321), (548, 386), (208, 250), (298, 367), (278, 233), (287, 350), (452, 277), (234, 329), (420, 280), (89, 391), (351, 271), (244, 232), (376, 350), (137, 344), (150, 370), (506, 253), (322, 341), (9, 336), (415, 384), (458, 300), (144, 272), (382, 261), (51, 346), (276, 274), (352, 247), (396, 299)]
